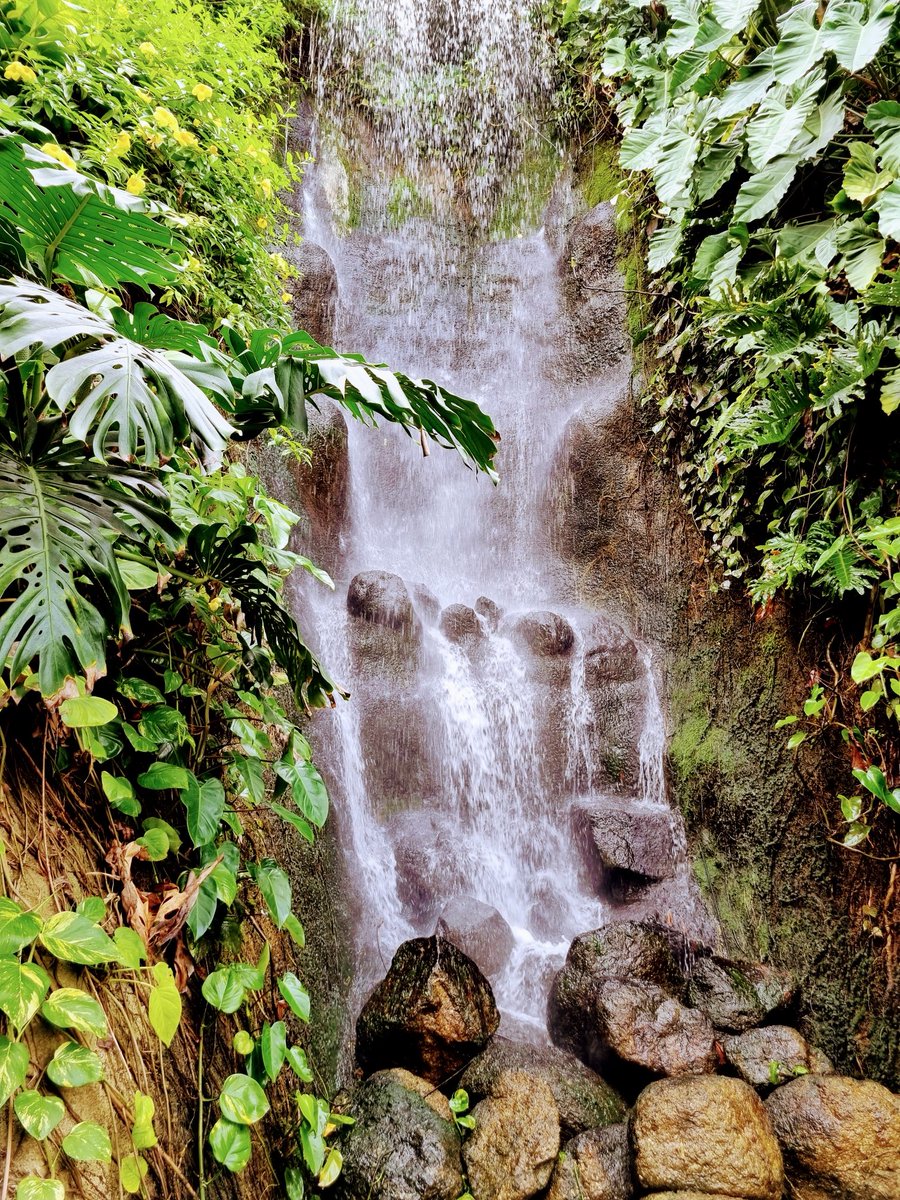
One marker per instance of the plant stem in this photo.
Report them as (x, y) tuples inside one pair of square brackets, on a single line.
[(200, 1166), (4, 1191)]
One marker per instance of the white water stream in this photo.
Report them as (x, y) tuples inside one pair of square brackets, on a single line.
[(465, 774)]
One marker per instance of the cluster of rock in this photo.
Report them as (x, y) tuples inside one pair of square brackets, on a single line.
[(723, 1106)]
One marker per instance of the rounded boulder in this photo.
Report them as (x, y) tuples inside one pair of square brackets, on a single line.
[(596, 1165), (511, 1152)]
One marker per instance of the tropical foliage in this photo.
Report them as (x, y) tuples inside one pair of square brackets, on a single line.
[(761, 144), (141, 566)]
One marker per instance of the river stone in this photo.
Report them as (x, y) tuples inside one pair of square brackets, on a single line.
[(381, 599), (433, 1097), (490, 610), (432, 1013), (840, 1136), (425, 601), (399, 1144), (584, 1100), (725, 993), (511, 1152), (644, 1026), (627, 950), (460, 624), (315, 296), (544, 633), (479, 931), (324, 482), (596, 1165), (752, 1054), (706, 1133), (639, 840), (689, 1196)]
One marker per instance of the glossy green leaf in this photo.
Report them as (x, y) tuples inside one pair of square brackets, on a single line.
[(73, 938), (132, 1171), (23, 986), (223, 990), (299, 1063), (80, 712), (14, 1060), (38, 1115), (242, 1100), (275, 886), (70, 1008), (33, 1187), (143, 1135), (130, 948), (92, 907), (160, 776), (88, 1142), (74, 1066), (165, 1004), (273, 1047), (243, 1042), (205, 803), (155, 844), (18, 928), (119, 791), (332, 1168), (295, 994), (230, 1144), (172, 835)]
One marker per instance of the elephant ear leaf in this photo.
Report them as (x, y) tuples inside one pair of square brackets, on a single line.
[(79, 229), (61, 590)]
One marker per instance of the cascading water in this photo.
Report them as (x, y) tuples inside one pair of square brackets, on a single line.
[(483, 734)]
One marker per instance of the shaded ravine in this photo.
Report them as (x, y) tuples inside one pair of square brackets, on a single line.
[(502, 742)]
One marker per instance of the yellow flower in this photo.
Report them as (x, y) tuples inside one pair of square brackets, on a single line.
[(262, 223), (122, 144), (265, 186), (148, 49), (136, 184), (215, 604), (251, 152), (201, 92), (20, 72), (145, 96), (60, 155), (193, 264), (286, 297), (184, 138), (213, 150), (165, 119)]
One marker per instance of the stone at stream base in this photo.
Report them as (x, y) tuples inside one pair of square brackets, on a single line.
[(544, 633), (709, 1134), (460, 624), (736, 996), (381, 598), (840, 1136), (753, 1053), (511, 1152), (636, 840), (479, 931), (324, 482), (314, 296), (400, 1147), (643, 1026), (596, 1165), (583, 1099), (490, 610), (432, 1013)]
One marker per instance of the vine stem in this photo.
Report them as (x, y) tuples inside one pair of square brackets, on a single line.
[(200, 1167), (4, 1191)]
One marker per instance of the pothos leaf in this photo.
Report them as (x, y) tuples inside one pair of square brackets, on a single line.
[(165, 1004)]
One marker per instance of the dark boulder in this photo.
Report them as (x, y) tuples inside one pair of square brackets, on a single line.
[(432, 1013), (492, 612), (610, 655), (771, 1055), (544, 633), (460, 624), (737, 995), (632, 837), (427, 603), (314, 294), (596, 1165), (479, 931), (638, 1025), (583, 1098), (381, 598), (401, 1144)]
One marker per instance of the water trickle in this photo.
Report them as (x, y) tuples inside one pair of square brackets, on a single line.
[(474, 745)]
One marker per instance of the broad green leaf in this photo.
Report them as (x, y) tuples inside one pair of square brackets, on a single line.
[(139, 690), (865, 667), (862, 178), (224, 990), (32, 1187), (137, 577), (132, 1171), (80, 712), (307, 787), (779, 120), (872, 778), (70, 1008), (295, 994), (88, 1142), (733, 16), (165, 724), (74, 1066), (299, 1064), (130, 949), (799, 47), (73, 938), (155, 842), (242, 1100), (203, 910), (243, 1043), (851, 807), (92, 907), (18, 928), (273, 1047), (857, 31), (205, 803), (869, 699), (295, 929), (883, 119), (143, 1135), (766, 189), (38, 1115), (14, 1060), (275, 886), (230, 1144), (23, 986), (664, 245), (165, 1004), (160, 776), (856, 834), (752, 85), (332, 1168), (887, 205), (294, 1186), (172, 835), (889, 397), (862, 249), (302, 826)]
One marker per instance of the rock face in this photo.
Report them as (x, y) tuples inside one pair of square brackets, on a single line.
[(725, 993), (479, 931), (841, 1137), (400, 1147), (544, 633), (626, 951), (645, 1027), (460, 624), (708, 1134), (596, 1165), (432, 1013), (638, 840), (583, 1099), (490, 610), (324, 482), (753, 1054), (511, 1152), (315, 295), (381, 599)]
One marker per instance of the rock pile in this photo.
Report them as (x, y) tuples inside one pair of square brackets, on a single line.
[(725, 1108)]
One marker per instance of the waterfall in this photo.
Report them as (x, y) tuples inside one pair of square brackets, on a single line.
[(478, 742)]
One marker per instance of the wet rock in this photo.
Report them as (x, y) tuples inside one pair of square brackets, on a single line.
[(610, 655), (381, 599), (768, 1056), (725, 993), (511, 1152), (314, 295), (596, 1165), (426, 601), (639, 839), (544, 633), (689, 1196), (644, 1027), (709, 1134), (583, 1099), (430, 863), (628, 950), (324, 482), (840, 1137), (460, 624), (492, 613), (435, 1099), (479, 931), (432, 1013), (401, 1140), (549, 912)]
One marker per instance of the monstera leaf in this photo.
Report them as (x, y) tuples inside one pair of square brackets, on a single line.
[(122, 396), (62, 593), (80, 229)]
